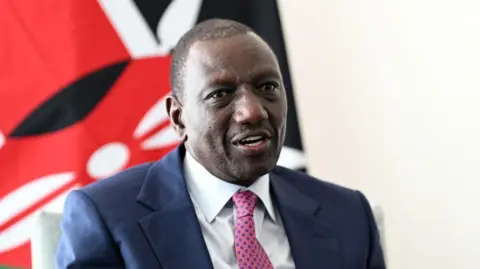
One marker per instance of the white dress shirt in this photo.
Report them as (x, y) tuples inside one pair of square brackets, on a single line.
[(215, 212)]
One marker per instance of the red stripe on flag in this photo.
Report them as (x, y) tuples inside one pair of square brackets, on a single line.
[(18, 258), (45, 46)]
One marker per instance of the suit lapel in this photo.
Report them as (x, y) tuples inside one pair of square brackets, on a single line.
[(311, 241), (172, 229)]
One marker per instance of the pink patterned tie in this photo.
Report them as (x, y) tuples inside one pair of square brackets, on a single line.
[(250, 253)]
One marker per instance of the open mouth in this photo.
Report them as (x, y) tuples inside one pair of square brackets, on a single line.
[(252, 140)]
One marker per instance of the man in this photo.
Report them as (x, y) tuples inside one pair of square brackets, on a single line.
[(218, 200)]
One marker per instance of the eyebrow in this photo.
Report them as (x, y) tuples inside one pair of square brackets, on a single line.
[(216, 76), (221, 76), (264, 72)]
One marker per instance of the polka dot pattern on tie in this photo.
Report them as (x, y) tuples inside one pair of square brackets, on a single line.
[(248, 250)]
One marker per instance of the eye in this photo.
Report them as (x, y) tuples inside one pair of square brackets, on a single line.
[(218, 94), (269, 87)]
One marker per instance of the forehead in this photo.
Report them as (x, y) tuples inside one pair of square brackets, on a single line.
[(238, 55)]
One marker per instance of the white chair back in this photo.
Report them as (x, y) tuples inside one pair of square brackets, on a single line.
[(44, 240)]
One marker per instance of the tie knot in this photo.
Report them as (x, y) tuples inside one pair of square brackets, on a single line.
[(244, 203)]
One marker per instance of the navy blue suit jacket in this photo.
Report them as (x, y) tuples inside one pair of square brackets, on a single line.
[(144, 218)]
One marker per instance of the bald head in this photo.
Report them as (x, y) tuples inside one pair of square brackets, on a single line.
[(205, 31)]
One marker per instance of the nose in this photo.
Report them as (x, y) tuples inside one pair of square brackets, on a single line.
[(249, 109)]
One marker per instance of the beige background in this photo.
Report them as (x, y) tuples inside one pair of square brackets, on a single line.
[(389, 96)]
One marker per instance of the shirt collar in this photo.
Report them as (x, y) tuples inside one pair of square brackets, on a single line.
[(211, 193)]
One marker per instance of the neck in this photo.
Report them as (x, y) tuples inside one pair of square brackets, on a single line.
[(237, 181)]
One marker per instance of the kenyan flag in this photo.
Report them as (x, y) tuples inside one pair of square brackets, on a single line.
[(82, 87)]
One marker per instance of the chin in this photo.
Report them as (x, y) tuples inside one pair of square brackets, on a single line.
[(259, 169)]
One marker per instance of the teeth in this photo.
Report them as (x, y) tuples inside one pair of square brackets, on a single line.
[(254, 143), (252, 138)]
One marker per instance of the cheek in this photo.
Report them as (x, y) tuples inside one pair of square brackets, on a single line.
[(278, 115), (206, 124), (194, 125), (206, 128), (218, 126)]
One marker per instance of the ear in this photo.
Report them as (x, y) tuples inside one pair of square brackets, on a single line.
[(174, 111)]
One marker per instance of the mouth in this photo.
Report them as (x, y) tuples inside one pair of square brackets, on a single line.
[(252, 140), (251, 137), (253, 143)]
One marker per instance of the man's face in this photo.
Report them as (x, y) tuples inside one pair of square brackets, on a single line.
[(234, 107)]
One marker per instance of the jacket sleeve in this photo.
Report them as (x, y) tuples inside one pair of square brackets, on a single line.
[(85, 241), (375, 259)]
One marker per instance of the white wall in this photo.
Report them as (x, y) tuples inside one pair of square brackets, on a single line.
[(389, 95)]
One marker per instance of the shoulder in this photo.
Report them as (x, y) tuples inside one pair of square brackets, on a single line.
[(121, 183), (341, 206), (119, 192), (335, 199), (317, 188)]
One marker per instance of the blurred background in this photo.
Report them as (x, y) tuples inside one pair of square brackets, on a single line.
[(384, 97)]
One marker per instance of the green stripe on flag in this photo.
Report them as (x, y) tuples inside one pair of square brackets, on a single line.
[(5, 267)]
